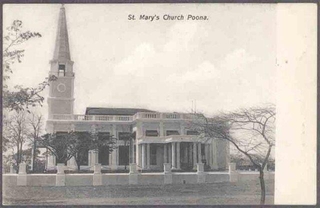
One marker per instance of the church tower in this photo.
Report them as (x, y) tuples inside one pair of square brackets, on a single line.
[(61, 98)]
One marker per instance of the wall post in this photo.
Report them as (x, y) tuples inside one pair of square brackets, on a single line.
[(233, 174), (133, 174), (22, 176), (201, 175), (167, 173), (97, 177), (60, 177)]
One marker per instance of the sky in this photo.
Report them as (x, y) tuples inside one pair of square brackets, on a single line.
[(221, 64)]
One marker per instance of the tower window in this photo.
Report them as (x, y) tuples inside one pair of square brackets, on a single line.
[(62, 70)]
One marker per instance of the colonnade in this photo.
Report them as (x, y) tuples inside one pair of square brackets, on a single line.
[(192, 153), (174, 153)]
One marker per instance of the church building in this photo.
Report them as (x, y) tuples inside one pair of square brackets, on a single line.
[(160, 137)]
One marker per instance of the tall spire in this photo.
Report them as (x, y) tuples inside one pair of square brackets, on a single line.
[(61, 51)]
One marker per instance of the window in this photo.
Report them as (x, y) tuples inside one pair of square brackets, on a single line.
[(203, 149), (153, 154), (62, 70), (192, 133), (152, 133), (103, 156), (84, 156), (172, 132), (203, 154), (124, 136), (123, 155), (104, 135)]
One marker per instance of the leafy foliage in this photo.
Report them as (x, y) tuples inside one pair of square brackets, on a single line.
[(21, 97), (65, 145), (60, 145)]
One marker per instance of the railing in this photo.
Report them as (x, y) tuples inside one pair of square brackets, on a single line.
[(91, 117), (111, 118), (171, 115), (146, 115)]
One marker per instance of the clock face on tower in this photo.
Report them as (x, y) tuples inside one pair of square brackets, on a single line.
[(61, 87)]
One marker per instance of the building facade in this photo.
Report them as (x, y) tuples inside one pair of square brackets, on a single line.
[(160, 137)]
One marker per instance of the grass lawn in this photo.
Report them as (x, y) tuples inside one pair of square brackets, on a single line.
[(187, 194)]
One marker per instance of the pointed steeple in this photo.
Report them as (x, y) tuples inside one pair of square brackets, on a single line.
[(61, 51)]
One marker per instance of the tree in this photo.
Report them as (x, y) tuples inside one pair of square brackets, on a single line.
[(16, 134), (65, 145), (251, 131), (60, 144), (35, 122), (83, 143), (22, 97)]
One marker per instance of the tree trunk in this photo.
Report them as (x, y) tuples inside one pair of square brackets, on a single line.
[(17, 158), (263, 187), (34, 155)]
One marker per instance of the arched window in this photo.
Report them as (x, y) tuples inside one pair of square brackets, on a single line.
[(62, 70)]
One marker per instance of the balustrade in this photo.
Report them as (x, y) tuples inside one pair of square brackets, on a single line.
[(141, 115)]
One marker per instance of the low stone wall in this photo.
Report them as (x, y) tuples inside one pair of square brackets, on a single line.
[(41, 179), (79, 179), (115, 179), (98, 179)]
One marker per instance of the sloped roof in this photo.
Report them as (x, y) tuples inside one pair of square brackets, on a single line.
[(115, 111)]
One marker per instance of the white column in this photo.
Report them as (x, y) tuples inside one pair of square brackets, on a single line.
[(93, 155), (96, 157), (138, 153), (143, 156), (148, 156), (165, 154), (199, 152), (132, 152), (178, 155), (173, 152), (206, 151), (209, 155), (114, 159), (190, 153), (194, 154), (114, 154), (170, 153), (89, 158), (214, 155)]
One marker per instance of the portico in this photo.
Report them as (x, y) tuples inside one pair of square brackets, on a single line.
[(182, 152)]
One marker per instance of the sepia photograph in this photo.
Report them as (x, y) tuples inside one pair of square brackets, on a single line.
[(149, 104)]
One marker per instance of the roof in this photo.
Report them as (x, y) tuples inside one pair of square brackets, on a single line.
[(115, 111)]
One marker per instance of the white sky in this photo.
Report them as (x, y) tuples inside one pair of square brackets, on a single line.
[(224, 63)]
